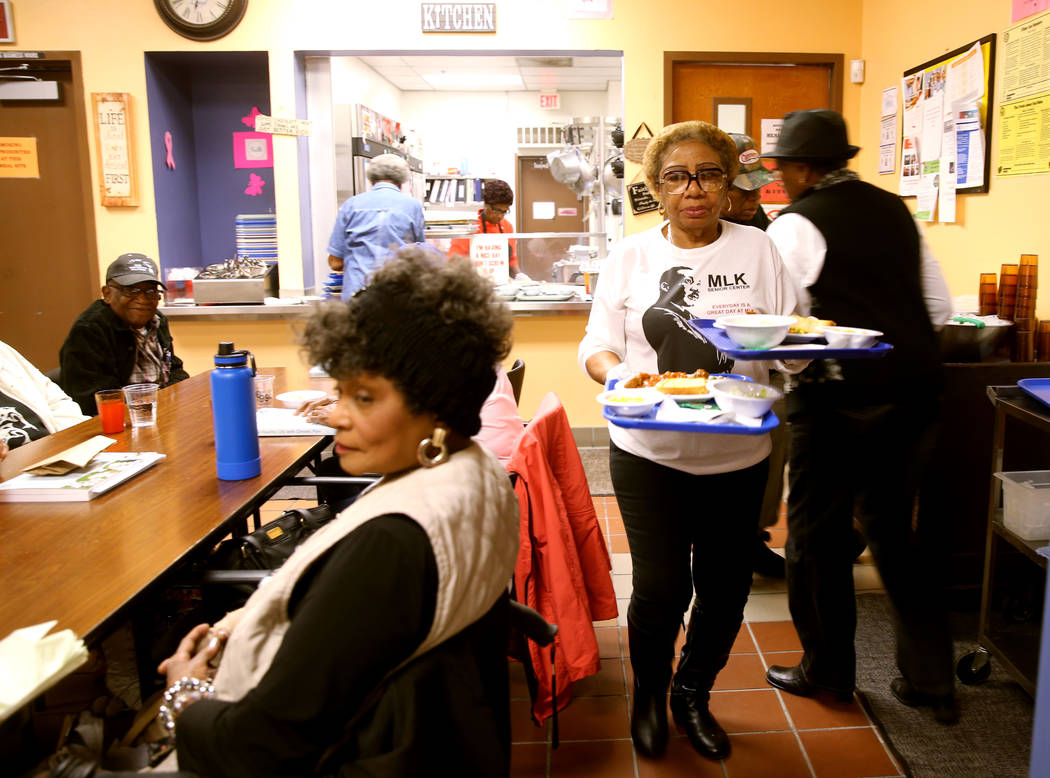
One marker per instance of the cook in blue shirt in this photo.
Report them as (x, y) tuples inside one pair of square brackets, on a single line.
[(371, 226)]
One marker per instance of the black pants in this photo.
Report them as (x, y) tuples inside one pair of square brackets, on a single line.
[(669, 514), (863, 461)]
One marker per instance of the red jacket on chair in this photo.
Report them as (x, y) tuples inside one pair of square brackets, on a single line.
[(563, 567)]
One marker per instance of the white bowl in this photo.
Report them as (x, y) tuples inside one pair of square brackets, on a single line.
[(757, 330), (746, 398), (631, 402), (850, 337), (297, 398)]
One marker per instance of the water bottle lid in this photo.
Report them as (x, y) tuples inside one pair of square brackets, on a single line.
[(228, 356)]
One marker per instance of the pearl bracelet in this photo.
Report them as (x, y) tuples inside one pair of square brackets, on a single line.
[(179, 695)]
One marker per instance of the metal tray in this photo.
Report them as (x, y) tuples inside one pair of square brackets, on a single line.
[(721, 341), (1038, 388)]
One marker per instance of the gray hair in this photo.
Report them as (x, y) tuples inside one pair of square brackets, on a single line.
[(388, 167)]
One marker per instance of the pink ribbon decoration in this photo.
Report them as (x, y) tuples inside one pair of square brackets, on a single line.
[(170, 161)]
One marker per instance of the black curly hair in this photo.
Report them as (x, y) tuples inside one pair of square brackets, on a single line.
[(497, 192), (434, 329)]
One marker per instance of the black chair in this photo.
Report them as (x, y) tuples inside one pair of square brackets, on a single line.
[(516, 374)]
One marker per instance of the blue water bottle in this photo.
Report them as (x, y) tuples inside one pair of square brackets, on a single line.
[(233, 414)]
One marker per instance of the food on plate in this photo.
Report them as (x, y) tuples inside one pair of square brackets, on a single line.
[(805, 325), (671, 382)]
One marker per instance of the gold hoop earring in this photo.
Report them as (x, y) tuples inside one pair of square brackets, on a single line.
[(660, 207), (436, 440)]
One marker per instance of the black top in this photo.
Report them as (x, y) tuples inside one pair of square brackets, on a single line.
[(360, 610), (99, 353), (760, 219), (871, 278), (18, 422)]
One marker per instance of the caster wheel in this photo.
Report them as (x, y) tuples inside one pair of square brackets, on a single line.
[(974, 667)]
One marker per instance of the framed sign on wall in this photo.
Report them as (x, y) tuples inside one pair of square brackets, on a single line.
[(111, 115)]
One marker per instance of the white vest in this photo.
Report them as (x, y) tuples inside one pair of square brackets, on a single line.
[(470, 514)]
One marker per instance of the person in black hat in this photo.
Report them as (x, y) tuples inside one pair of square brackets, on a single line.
[(121, 339), (859, 441)]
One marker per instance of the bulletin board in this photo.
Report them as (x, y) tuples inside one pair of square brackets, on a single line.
[(920, 77)]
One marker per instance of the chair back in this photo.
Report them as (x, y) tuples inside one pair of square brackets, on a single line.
[(516, 374)]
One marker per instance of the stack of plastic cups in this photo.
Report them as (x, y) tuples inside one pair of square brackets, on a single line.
[(1042, 345), (988, 298), (1024, 307), (1007, 291)]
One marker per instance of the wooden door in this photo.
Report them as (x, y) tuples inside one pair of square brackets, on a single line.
[(48, 254), (771, 85), (536, 256)]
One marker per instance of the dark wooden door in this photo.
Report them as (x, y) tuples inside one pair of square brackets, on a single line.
[(48, 255), (536, 185)]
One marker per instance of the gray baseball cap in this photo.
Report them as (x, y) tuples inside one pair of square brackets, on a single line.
[(131, 269)]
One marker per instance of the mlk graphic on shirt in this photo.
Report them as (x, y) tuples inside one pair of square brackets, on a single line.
[(666, 326)]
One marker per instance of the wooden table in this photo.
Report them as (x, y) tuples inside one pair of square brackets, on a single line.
[(86, 563)]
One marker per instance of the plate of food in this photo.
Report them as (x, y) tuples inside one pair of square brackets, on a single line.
[(683, 387), (807, 329)]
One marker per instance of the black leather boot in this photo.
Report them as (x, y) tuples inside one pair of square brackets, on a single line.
[(651, 661), (649, 720), (691, 714)]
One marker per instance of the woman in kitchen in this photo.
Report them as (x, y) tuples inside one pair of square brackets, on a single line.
[(497, 197), (684, 494)]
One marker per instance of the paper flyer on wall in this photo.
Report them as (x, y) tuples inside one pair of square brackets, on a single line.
[(888, 131), (932, 114), (910, 167), (946, 189), (969, 147), (1026, 71), (926, 208), (1024, 136), (770, 133)]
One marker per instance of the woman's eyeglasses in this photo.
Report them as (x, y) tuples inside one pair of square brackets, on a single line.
[(136, 291), (677, 181)]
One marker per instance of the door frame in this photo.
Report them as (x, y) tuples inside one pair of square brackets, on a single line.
[(671, 58)]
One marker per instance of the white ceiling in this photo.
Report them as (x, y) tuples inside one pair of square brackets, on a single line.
[(538, 73)]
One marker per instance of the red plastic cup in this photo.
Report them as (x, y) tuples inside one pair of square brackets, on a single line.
[(110, 404)]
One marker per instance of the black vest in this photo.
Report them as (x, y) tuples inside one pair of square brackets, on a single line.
[(871, 278)]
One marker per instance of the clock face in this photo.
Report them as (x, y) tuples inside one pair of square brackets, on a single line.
[(201, 19)]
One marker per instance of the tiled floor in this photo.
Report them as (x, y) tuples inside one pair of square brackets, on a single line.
[(772, 733)]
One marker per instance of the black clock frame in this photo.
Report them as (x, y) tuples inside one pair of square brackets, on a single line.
[(206, 32)]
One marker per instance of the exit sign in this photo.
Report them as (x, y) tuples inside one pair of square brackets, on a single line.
[(550, 101)]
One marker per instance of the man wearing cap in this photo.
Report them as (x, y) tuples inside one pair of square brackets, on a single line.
[(745, 192), (121, 339), (861, 429)]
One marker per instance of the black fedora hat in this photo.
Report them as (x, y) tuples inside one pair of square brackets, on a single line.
[(814, 134)]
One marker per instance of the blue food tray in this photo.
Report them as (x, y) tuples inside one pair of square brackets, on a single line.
[(721, 341), (1038, 388), (649, 422)]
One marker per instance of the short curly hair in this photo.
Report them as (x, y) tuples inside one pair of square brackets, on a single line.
[(673, 134), (434, 329), (497, 192), (388, 167)]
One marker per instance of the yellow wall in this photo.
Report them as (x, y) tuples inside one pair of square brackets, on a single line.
[(890, 35), (992, 228)]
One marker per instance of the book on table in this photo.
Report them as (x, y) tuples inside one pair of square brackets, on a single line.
[(105, 471)]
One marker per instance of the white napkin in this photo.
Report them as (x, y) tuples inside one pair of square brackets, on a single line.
[(670, 410), (30, 662)]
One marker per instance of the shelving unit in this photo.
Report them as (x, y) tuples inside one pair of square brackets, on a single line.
[(1010, 625), (455, 192)]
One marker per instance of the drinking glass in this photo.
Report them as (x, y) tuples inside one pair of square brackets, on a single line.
[(264, 391), (142, 404), (110, 404)]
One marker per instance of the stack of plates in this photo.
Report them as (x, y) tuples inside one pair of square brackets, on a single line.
[(256, 236), (333, 287)]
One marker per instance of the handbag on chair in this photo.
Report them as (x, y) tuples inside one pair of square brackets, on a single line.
[(271, 544)]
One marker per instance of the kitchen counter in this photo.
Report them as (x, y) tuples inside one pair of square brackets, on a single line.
[(285, 312)]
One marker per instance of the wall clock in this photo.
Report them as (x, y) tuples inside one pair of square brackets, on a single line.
[(201, 20)]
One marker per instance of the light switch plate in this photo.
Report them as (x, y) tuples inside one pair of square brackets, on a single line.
[(856, 71)]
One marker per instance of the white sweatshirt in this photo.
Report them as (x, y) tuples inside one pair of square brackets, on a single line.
[(648, 291)]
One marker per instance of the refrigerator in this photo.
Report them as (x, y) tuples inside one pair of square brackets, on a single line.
[(362, 134)]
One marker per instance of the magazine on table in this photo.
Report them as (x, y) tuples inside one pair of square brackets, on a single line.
[(105, 471)]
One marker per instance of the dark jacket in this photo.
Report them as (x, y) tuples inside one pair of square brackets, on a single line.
[(99, 353)]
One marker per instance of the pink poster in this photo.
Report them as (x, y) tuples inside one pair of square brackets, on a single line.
[(252, 149), (1024, 8)]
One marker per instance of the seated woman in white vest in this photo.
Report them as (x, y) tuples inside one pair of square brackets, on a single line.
[(378, 648)]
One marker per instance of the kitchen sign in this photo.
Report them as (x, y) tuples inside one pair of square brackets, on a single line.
[(458, 17)]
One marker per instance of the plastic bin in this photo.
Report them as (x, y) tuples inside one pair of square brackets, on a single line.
[(1026, 503)]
